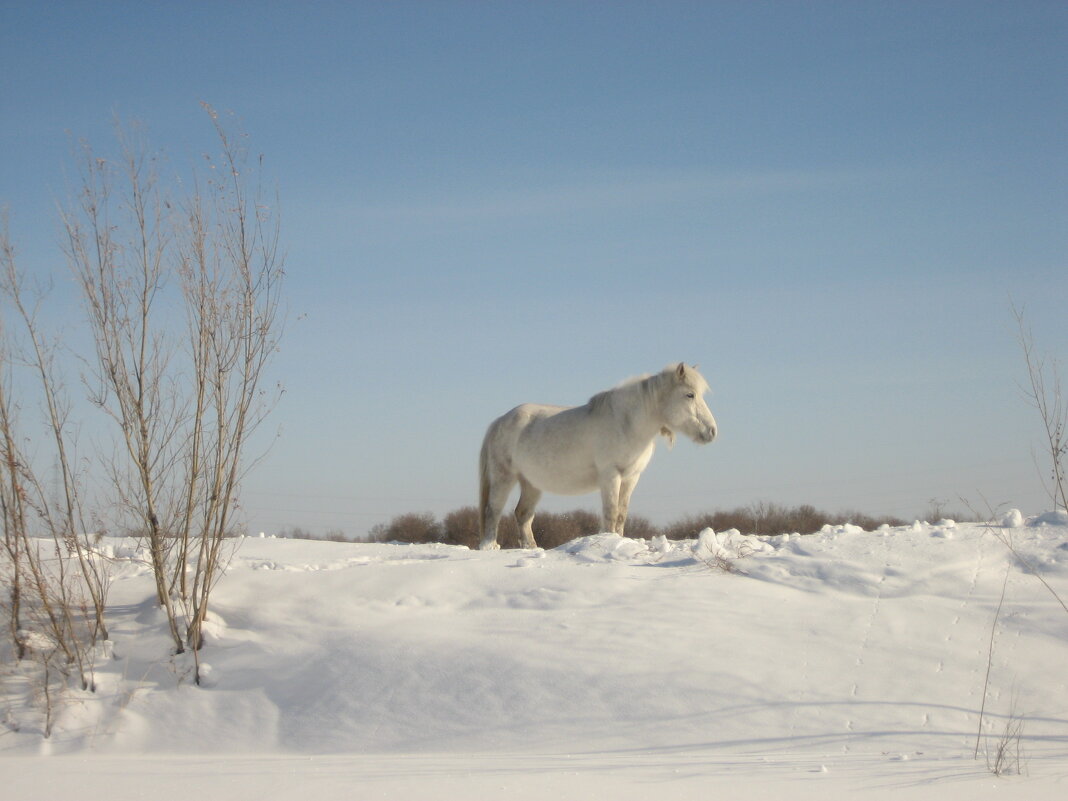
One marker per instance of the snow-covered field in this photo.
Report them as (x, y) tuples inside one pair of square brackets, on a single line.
[(845, 664)]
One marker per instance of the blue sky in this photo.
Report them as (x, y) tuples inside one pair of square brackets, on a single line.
[(829, 206)]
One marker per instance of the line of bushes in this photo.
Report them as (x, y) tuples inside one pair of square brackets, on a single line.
[(552, 529)]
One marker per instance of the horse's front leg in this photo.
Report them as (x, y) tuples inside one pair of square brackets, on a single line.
[(626, 488), (610, 488)]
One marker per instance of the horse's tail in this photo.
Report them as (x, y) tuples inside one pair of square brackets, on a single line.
[(483, 487)]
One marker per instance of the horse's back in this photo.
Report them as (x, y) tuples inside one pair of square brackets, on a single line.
[(548, 423), (504, 433), (522, 416)]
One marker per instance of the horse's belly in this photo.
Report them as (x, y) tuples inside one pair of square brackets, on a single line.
[(561, 480), (560, 473)]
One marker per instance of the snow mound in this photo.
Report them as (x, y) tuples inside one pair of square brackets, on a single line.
[(600, 548), (864, 653), (1013, 519), (708, 547), (1055, 518), (841, 528), (727, 546)]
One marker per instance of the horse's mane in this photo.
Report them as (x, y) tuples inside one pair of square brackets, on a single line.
[(645, 386), (648, 386)]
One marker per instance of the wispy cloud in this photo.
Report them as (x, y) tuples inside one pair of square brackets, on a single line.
[(513, 196)]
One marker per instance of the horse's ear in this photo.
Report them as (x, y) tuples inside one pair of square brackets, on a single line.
[(681, 371)]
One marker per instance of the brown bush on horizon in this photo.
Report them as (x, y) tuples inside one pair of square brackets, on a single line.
[(552, 529)]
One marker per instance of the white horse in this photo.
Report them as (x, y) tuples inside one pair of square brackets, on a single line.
[(573, 450)]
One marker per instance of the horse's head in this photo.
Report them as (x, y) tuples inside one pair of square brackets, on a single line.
[(683, 405)]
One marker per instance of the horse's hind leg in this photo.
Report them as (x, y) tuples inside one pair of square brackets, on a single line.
[(529, 495), (500, 487)]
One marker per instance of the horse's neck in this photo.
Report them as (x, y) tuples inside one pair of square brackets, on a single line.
[(643, 408)]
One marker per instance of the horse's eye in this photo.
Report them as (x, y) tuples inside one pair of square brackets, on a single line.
[(690, 395)]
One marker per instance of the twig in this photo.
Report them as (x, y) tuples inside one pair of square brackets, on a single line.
[(990, 659)]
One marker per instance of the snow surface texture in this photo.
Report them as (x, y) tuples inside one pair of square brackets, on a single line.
[(841, 664)]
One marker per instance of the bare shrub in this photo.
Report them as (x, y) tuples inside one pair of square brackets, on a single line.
[(770, 518), (411, 527), (54, 582), (688, 527), (182, 299), (1005, 757), (871, 522), (552, 530), (460, 527), (1044, 392), (296, 533), (938, 509), (641, 528), (184, 394), (722, 562)]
